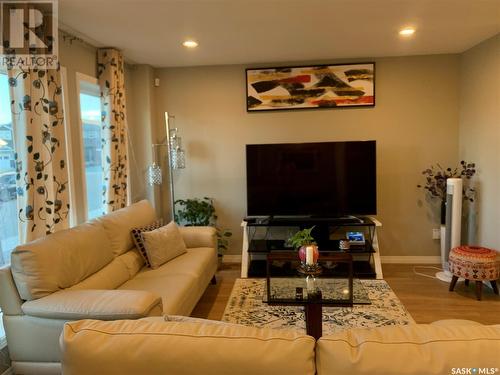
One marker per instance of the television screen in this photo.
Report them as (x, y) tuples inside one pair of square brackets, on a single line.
[(327, 179)]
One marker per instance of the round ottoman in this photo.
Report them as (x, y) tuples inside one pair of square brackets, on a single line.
[(474, 263)]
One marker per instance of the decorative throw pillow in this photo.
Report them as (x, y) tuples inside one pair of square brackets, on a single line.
[(138, 240), (163, 244)]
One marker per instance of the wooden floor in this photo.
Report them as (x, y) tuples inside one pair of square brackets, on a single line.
[(426, 299)]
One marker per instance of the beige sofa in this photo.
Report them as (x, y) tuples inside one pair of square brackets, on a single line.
[(94, 271), (193, 347)]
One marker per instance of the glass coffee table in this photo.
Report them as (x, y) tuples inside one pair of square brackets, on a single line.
[(313, 289)]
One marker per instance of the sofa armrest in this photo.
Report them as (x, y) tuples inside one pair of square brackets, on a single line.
[(95, 304), (199, 236), (10, 301)]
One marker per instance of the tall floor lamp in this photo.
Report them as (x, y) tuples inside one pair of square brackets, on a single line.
[(176, 158)]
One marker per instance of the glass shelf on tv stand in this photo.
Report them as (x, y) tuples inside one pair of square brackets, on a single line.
[(284, 221), (286, 226), (264, 246), (255, 247)]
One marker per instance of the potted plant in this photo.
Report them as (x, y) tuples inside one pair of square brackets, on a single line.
[(201, 212), (301, 240), (435, 182)]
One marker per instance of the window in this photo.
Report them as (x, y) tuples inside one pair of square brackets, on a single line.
[(9, 237), (90, 116)]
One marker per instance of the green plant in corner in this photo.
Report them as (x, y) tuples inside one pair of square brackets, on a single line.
[(195, 212), (201, 212)]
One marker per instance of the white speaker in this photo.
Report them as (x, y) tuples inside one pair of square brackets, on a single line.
[(453, 228)]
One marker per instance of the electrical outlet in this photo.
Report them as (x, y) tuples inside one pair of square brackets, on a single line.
[(436, 234)]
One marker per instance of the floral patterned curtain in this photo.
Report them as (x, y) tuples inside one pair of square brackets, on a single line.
[(39, 136), (111, 78)]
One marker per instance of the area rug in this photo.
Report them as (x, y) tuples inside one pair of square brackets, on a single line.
[(245, 306)]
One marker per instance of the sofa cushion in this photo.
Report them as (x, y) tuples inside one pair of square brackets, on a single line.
[(195, 263), (139, 240), (133, 261), (60, 260), (94, 304), (408, 350), (110, 277), (178, 292), (119, 224), (188, 319), (183, 348), (163, 244), (198, 265)]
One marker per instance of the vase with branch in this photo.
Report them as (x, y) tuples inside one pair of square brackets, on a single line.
[(435, 182)]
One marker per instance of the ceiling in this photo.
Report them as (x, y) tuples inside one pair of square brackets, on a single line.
[(263, 31)]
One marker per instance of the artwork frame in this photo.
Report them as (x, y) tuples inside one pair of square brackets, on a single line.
[(318, 86)]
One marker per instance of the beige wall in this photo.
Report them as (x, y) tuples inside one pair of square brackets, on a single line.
[(415, 123), (418, 120), (139, 92), (480, 132), (76, 57), (146, 127)]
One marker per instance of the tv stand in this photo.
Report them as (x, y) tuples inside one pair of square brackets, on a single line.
[(352, 218), (338, 219), (262, 235)]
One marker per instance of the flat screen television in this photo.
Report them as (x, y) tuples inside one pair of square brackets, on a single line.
[(324, 179)]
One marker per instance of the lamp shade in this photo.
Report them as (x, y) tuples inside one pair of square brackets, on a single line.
[(154, 175), (178, 158)]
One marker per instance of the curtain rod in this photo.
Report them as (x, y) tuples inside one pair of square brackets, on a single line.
[(69, 37), (66, 36)]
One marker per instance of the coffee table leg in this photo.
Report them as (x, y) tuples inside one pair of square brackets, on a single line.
[(314, 320)]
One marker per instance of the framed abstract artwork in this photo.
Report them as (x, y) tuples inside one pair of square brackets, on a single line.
[(306, 87)]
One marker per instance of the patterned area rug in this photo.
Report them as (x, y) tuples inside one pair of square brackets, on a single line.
[(246, 307)]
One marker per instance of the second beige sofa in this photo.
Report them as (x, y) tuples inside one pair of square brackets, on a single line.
[(93, 271), (193, 346)]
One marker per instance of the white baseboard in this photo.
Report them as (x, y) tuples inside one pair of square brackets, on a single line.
[(429, 259), (231, 258), (9, 371)]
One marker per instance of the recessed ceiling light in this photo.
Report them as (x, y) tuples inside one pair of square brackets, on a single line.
[(407, 31), (190, 44)]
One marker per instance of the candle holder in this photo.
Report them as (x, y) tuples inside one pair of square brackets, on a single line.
[(303, 253), (310, 269), (313, 291)]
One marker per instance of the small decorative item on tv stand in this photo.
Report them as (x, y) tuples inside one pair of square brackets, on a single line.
[(344, 244), (355, 238)]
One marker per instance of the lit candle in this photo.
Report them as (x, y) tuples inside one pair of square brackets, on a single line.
[(309, 255)]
